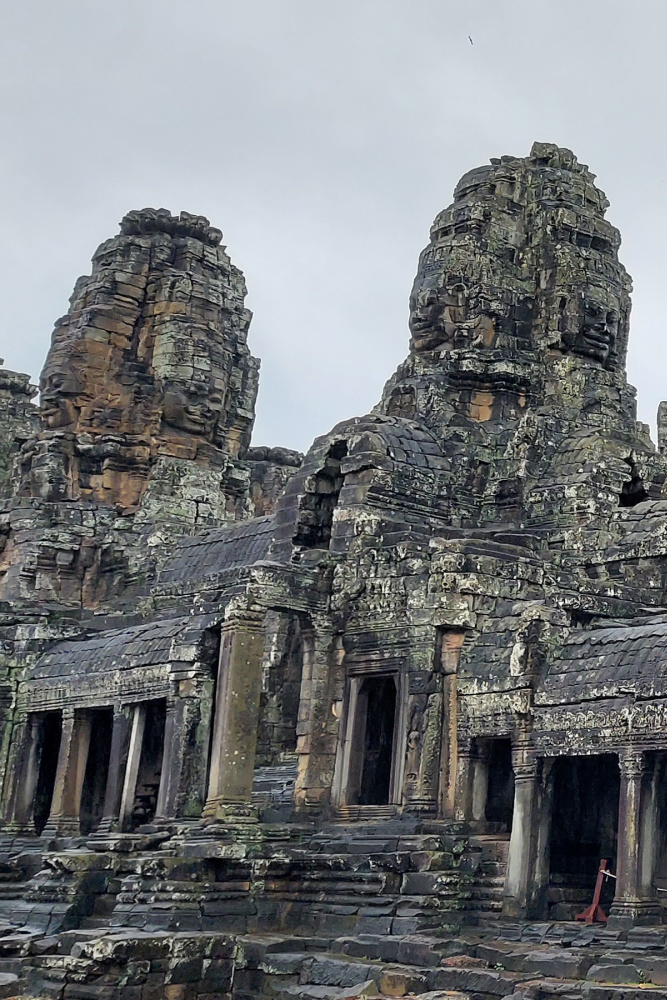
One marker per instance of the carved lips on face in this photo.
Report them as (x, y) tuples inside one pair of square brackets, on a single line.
[(598, 331)]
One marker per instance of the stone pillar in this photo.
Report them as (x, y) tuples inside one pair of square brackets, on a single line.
[(22, 784), (480, 781), (172, 763), (450, 652), (186, 740), (650, 828), (465, 776), (234, 743), (132, 766), (322, 695), (537, 896), (120, 740), (64, 818), (524, 836), (635, 902), (421, 749)]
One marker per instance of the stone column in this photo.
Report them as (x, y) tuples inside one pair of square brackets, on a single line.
[(22, 779), (322, 694), (423, 745), (186, 740), (132, 766), (539, 883), (523, 839), (234, 743), (650, 828), (451, 780), (480, 781), (120, 740), (172, 763), (465, 776), (64, 818), (634, 902)]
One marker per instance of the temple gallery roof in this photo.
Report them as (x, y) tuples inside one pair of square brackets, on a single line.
[(217, 550), (609, 663), (145, 645)]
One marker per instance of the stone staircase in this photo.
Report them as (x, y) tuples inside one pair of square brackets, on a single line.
[(540, 961), (566, 898), (486, 892), (383, 877), (15, 876)]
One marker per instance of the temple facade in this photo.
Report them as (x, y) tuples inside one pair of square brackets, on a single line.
[(411, 686)]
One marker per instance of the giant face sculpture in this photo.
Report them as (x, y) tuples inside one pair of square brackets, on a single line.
[(590, 324), (189, 365), (59, 390), (449, 316), (194, 408), (598, 331)]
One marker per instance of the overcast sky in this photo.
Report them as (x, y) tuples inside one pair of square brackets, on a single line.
[(322, 137)]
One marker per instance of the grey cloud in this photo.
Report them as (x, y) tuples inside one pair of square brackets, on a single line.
[(322, 138)]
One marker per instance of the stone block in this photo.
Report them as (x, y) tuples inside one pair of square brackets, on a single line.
[(617, 972), (562, 964)]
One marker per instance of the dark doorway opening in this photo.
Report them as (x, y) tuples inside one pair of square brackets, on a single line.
[(584, 830), (377, 703), (97, 769), (633, 490), (49, 746), (500, 789), (150, 765)]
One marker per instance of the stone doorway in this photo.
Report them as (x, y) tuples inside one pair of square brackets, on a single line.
[(97, 769), (49, 733), (499, 803), (370, 750), (584, 829)]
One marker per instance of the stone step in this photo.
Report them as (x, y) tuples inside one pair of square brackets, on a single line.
[(12, 890), (491, 848), (493, 868), (408, 949), (92, 923)]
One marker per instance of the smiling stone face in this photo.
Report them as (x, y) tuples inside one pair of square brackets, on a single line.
[(599, 328), (194, 411), (592, 321), (448, 317), (59, 391)]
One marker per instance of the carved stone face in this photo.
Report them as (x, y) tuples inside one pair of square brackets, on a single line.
[(194, 409), (427, 319), (58, 392), (443, 317), (598, 331)]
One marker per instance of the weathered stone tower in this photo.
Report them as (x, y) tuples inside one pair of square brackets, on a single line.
[(377, 720)]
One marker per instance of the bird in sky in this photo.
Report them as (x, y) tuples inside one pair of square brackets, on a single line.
[(470, 40)]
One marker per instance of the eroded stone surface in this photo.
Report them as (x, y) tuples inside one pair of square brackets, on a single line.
[(365, 722)]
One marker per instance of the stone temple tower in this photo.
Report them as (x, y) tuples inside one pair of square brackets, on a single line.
[(147, 400), (148, 370)]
